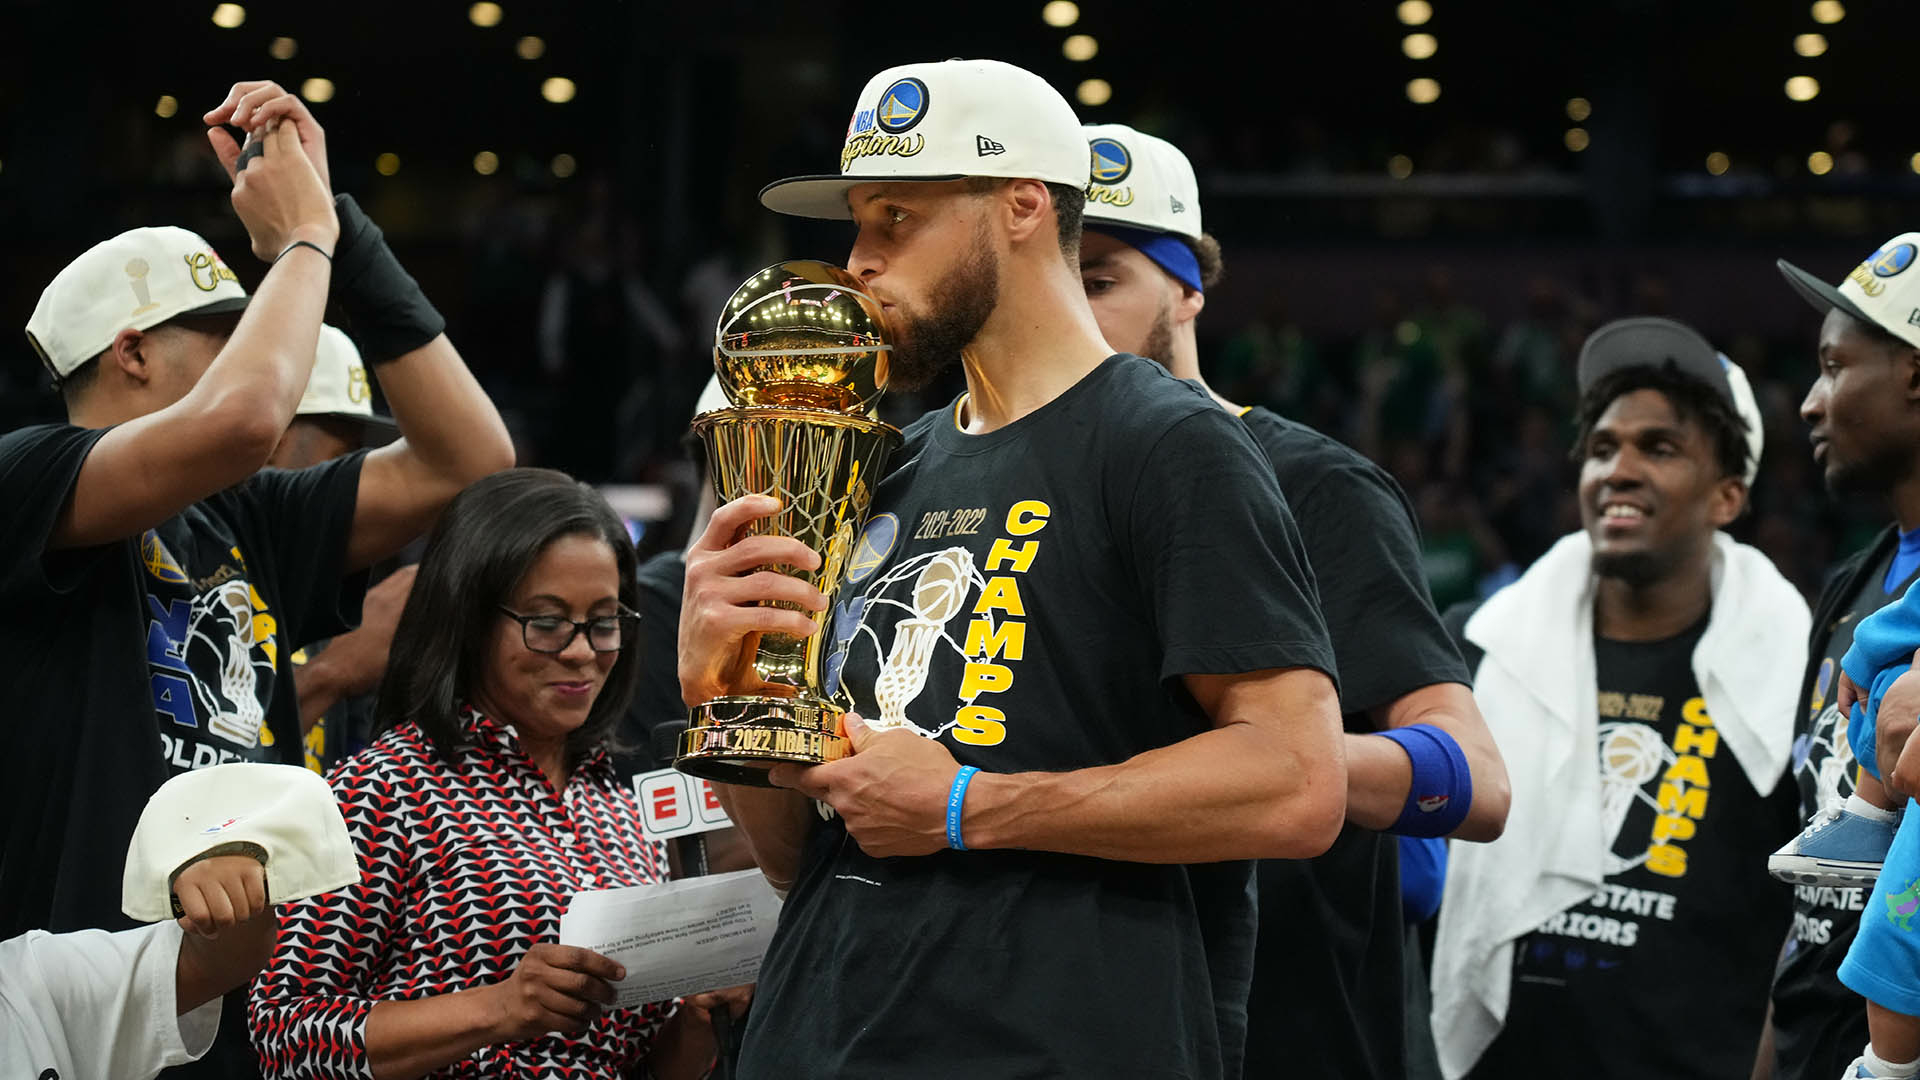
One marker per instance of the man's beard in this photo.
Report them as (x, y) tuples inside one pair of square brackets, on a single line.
[(1636, 568), (926, 345), (1159, 343), (1875, 475)]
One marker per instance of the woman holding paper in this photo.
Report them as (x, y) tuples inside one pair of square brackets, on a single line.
[(484, 806)]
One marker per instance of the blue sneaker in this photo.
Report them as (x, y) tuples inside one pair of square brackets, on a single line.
[(1837, 848)]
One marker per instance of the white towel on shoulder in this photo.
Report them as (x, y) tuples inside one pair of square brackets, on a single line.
[(1536, 687)]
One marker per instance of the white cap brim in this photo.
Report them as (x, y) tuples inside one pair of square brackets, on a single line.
[(825, 197)]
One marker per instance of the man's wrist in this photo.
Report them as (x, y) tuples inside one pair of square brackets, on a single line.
[(325, 234)]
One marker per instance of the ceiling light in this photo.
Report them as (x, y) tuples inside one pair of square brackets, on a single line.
[(283, 48), (563, 165), (166, 106), (1415, 12), (317, 90), (557, 90), (1810, 44), (1423, 91), (387, 164), (1819, 163), (1419, 46), (1060, 13), (1803, 88), (486, 162), (1399, 166), (1828, 12), (228, 16), (1080, 47), (530, 48), (484, 14), (1094, 92), (1717, 163)]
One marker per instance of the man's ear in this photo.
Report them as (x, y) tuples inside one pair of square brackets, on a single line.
[(1729, 498), (1026, 203), (1910, 360), (1187, 308), (127, 354)]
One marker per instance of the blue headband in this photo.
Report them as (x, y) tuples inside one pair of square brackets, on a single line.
[(1167, 250)]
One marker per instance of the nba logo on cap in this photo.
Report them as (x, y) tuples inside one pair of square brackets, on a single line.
[(902, 106), (1111, 162)]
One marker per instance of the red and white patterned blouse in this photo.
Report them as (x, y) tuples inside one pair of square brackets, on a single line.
[(464, 867)]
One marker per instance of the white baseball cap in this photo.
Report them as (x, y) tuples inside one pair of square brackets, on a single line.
[(1139, 181), (135, 281), (338, 386), (286, 812), (1877, 292), (1651, 341), (944, 121)]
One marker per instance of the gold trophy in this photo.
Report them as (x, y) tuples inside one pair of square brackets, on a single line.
[(801, 351)]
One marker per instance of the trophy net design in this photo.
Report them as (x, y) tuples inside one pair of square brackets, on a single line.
[(801, 352)]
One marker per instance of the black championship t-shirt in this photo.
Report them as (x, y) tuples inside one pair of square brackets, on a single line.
[(140, 659), (1819, 1025), (1328, 978), (1663, 972), (1031, 597)]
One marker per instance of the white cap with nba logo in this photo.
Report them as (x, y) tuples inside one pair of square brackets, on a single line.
[(945, 121), (135, 281), (1141, 182), (1879, 292), (338, 387)]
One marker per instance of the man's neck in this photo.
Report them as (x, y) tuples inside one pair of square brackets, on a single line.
[(1904, 501), (1040, 340), (1185, 364), (1653, 611)]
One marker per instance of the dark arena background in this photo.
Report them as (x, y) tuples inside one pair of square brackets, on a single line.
[(1424, 206)]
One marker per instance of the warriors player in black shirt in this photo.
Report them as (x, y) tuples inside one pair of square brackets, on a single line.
[(1093, 571), (1329, 927)]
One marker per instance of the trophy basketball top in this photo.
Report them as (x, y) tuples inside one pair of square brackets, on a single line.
[(802, 334)]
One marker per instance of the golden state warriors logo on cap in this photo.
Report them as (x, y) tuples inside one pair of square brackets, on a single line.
[(901, 106), (1111, 162), (882, 130), (1890, 260)]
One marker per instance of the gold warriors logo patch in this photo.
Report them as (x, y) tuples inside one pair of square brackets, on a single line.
[(882, 130)]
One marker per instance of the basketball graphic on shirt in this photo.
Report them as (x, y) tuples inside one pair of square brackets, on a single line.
[(941, 588), (1631, 757), (212, 650), (939, 591)]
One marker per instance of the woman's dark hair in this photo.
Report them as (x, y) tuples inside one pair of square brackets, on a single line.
[(487, 538), (1692, 397)]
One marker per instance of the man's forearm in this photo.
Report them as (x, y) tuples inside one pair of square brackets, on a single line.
[(1380, 774), (449, 423), (775, 823), (1229, 793), (317, 685)]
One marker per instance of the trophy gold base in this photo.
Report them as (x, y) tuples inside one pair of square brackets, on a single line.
[(735, 740)]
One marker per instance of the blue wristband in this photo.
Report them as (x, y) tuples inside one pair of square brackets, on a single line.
[(957, 798), (1442, 789)]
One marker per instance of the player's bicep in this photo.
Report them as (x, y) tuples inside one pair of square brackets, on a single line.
[(148, 469), (399, 498)]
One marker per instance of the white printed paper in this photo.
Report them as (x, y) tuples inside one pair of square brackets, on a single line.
[(680, 937)]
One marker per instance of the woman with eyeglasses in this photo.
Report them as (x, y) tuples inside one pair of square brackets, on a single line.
[(486, 803)]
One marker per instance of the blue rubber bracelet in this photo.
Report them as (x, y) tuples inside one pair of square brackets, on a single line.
[(1442, 790), (957, 798)]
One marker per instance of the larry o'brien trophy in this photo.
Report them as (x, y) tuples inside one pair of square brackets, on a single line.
[(801, 352)]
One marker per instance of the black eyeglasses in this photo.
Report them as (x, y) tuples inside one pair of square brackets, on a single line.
[(552, 633)]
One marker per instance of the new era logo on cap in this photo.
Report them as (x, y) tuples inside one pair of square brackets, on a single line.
[(137, 280), (925, 122), (1883, 290), (1140, 182)]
